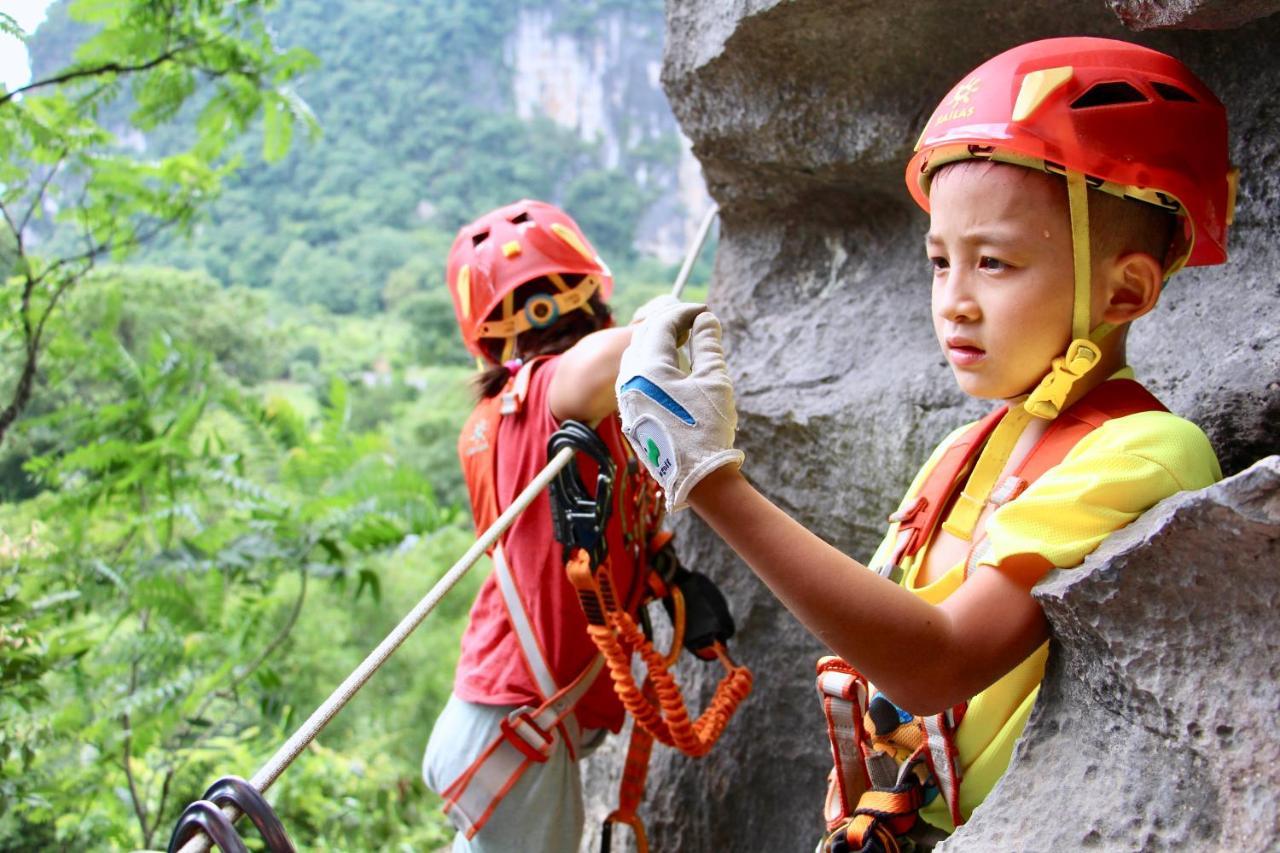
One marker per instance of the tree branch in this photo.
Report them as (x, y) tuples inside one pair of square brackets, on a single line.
[(139, 807), (243, 675), (22, 390), (39, 196), (100, 70)]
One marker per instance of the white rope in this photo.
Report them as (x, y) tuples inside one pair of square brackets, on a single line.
[(691, 257), (307, 732), (293, 747)]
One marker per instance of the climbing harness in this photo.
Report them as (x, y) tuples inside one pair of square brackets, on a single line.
[(530, 733), (888, 763), (202, 830), (658, 707)]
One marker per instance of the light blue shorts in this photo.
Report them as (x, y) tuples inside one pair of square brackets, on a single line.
[(542, 813)]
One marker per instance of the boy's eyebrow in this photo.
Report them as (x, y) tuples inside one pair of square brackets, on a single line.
[(989, 236)]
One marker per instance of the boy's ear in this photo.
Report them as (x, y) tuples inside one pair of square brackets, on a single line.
[(1133, 284)]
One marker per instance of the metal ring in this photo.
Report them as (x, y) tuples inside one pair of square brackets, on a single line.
[(238, 792), (204, 815), (541, 311)]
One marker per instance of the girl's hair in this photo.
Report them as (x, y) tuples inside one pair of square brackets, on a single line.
[(554, 339)]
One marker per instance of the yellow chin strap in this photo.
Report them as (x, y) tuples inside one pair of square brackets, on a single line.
[(1062, 385)]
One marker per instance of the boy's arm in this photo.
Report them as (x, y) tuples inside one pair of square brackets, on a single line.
[(925, 657), (582, 388)]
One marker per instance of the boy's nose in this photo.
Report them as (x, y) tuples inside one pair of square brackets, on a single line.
[(954, 298)]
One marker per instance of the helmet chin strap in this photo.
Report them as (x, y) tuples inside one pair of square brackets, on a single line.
[(1067, 380)]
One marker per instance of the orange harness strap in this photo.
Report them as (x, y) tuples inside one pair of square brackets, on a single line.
[(635, 772)]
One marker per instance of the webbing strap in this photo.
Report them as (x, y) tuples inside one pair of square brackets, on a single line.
[(995, 455), (917, 520), (1078, 202), (530, 646), (860, 811), (528, 736), (944, 764), (635, 771), (844, 702)]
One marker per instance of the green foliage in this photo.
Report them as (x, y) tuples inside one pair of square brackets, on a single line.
[(149, 638), (606, 212), (134, 306), (231, 481), (420, 137), (75, 187)]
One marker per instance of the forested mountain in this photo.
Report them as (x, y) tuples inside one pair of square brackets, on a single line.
[(430, 113)]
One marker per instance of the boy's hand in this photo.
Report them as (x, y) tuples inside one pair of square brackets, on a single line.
[(680, 424)]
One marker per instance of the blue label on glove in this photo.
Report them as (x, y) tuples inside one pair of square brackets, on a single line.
[(662, 398)]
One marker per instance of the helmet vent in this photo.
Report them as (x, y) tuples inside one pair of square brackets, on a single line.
[(522, 216), (479, 237), (1172, 93), (1107, 95)]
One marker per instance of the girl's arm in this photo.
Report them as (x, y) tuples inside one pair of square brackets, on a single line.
[(582, 388), (927, 658)]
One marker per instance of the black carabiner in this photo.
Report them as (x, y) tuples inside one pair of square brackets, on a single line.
[(580, 517), (204, 815), (238, 792)]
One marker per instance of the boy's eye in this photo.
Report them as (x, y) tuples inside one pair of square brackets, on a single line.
[(992, 264), (939, 263)]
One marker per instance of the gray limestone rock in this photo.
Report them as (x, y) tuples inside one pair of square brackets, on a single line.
[(1191, 14), (1158, 709), (804, 114)]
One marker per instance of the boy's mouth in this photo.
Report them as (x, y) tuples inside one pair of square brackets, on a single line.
[(963, 352)]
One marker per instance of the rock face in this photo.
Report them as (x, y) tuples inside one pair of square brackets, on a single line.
[(1192, 14), (803, 114), (600, 80), (1181, 701)]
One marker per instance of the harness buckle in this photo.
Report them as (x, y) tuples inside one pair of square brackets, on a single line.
[(522, 732)]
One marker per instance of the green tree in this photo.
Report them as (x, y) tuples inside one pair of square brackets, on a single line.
[(192, 521), (79, 181)]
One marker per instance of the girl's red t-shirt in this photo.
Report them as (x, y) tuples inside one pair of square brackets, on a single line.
[(491, 669)]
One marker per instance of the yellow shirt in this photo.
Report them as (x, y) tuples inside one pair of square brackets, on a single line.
[(1112, 476)]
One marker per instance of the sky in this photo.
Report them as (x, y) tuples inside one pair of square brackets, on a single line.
[(13, 53)]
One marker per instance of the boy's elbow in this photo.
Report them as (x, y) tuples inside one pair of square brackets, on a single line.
[(925, 700), (939, 685)]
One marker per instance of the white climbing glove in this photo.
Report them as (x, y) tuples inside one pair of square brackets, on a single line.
[(680, 423)]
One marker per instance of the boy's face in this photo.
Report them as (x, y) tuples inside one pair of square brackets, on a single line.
[(1000, 245)]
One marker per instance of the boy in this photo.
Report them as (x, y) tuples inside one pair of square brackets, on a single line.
[(1065, 180)]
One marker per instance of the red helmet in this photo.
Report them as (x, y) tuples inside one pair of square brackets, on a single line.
[(1136, 122), (508, 247)]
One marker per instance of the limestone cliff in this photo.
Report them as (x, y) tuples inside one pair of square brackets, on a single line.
[(803, 115), (601, 80)]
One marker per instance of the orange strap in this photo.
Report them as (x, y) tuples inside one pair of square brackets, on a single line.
[(631, 789), (617, 636)]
